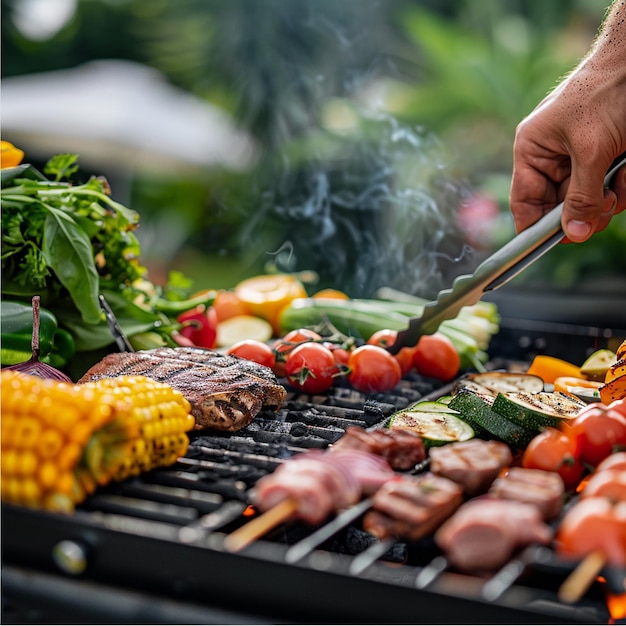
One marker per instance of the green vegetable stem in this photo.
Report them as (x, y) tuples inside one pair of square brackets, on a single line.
[(56, 345)]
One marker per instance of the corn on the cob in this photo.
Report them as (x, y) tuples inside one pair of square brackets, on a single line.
[(60, 441)]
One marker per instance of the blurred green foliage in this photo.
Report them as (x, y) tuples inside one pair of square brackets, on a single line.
[(372, 115)]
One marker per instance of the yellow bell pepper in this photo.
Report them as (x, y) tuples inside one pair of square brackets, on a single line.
[(10, 156)]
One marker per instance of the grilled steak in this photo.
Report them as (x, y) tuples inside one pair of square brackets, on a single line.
[(225, 392)]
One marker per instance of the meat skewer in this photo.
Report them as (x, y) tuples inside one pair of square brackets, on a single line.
[(541, 488), (367, 457), (311, 486), (485, 533), (402, 449), (474, 464)]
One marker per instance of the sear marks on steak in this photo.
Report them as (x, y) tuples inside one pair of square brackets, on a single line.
[(474, 464), (541, 488), (412, 507), (225, 392)]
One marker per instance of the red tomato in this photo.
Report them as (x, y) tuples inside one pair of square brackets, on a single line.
[(619, 406), (284, 346), (373, 369), (594, 524), (311, 367), (253, 350), (614, 461), (553, 451), (600, 431), (340, 354), (199, 325), (385, 338), (436, 357), (609, 483)]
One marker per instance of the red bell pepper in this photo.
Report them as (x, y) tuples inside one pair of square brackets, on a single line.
[(199, 325)]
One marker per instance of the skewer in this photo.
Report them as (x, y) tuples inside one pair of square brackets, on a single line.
[(259, 526), (508, 574), (576, 584), (432, 571), (370, 555), (305, 546)]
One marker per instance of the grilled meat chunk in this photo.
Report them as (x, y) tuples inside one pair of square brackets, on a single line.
[(543, 489), (225, 392), (474, 464), (402, 449), (485, 533), (412, 507), (319, 484)]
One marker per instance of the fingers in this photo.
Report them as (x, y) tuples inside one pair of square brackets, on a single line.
[(586, 208)]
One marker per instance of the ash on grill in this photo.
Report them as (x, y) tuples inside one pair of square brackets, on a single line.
[(205, 496)]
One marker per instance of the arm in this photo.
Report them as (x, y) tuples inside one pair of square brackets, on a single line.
[(564, 148)]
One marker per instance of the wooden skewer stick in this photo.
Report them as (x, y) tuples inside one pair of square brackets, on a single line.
[(576, 584), (259, 526)]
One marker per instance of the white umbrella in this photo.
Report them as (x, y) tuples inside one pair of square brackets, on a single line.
[(120, 115)]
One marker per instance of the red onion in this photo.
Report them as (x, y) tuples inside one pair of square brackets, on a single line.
[(34, 367)]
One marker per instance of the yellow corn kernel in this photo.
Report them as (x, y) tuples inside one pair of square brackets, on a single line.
[(61, 440), (50, 443)]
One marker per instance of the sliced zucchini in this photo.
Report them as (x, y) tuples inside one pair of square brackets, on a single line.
[(537, 410), (505, 382), (430, 406), (478, 412), (436, 428), (444, 399)]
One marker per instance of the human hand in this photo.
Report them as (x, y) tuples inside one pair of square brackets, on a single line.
[(565, 147)]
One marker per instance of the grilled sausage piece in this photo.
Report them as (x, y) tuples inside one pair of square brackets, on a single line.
[(543, 489), (403, 449), (474, 464), (485, 533), (412, 507)]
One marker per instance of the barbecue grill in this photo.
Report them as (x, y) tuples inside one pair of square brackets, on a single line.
[(152, 549)]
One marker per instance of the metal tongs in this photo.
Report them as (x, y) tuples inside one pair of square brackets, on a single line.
[(492, 273)]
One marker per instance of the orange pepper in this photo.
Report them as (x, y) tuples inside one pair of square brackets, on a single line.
[(572, 384), (266, 295), (549, 368), (10, 155)]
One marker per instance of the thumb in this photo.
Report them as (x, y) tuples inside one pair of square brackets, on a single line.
[(584, 200)]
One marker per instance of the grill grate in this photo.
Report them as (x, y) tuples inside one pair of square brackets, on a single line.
[(163, 533)]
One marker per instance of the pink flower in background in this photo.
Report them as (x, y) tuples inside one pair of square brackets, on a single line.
[(478, 217)]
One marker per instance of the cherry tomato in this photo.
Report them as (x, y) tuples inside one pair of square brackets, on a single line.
[(253, 350), (311, 367), (387, 337), (594, 524), (553, 451), (340, 354), (609, 483), (284, 346), (436, 357), (600, 431), (199, 325), (619, 406), (614, 461), (373, 369)]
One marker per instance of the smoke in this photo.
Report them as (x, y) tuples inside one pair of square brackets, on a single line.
[(363, 199)]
